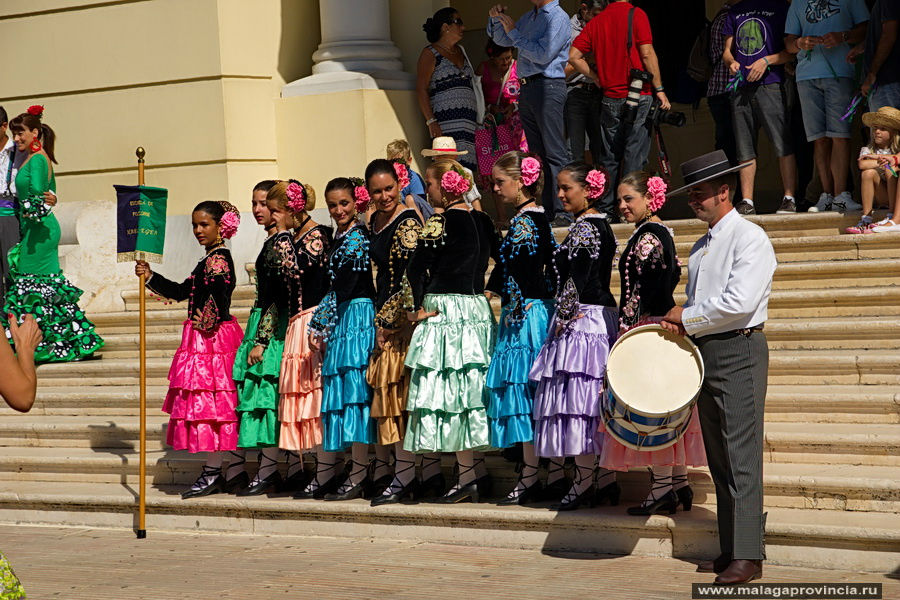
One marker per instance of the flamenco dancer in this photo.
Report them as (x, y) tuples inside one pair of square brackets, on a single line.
[(257, 365), (202, 397), (37, 284), (395, 234), (344, 323), (523, 277), (451, 347), (650, 271), (571, 366), (304, 267)]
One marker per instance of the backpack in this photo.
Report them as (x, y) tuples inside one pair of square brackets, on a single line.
[(699, 66)]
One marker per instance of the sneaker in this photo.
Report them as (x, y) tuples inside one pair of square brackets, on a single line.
[(861, 227), (745, 208), (888, 220), (844, 202), (787, 206), (890, 227), (823, 204)]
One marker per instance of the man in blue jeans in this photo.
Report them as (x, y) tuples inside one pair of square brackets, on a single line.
[(820, 33), (625, 138), (542, 37)]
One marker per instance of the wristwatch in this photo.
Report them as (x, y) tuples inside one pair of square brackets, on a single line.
[(845, 35)]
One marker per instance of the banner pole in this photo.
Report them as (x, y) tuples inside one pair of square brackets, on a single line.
[(142, 502)]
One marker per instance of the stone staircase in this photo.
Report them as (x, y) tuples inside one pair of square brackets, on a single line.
[(832, 441)]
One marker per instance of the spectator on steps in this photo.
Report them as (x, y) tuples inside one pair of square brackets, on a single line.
[(882, 56), (878, 171), (820, 33), (582, 109), (754, 52)]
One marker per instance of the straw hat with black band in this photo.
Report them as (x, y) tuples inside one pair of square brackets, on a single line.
[(886, 117), (703, 168)]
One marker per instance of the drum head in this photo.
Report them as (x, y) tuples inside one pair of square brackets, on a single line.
[(653, 371)]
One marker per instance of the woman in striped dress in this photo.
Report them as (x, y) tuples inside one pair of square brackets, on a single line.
[(445, 84)]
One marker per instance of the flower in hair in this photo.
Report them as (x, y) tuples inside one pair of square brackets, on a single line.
[(531, 170), (228, 225), (656, 187), (596, 181), (402, 175), (296, 194), (360, 194), (36, 110), (454, 183)]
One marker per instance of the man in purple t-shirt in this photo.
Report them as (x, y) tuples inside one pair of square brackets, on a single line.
[(754, 53)]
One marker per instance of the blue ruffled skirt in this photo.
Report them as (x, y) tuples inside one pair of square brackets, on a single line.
[(511, 398), (346, 396)]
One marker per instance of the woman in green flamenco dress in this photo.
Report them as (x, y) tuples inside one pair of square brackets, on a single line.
[(38, 285)]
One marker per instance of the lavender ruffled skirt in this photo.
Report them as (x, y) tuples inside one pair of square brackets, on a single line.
[(570, 371)]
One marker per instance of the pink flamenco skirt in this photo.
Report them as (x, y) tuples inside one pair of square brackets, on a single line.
[(300, 407), (687, 451), (202, 397)]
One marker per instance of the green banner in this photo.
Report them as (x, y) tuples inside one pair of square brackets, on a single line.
[(141, 222)]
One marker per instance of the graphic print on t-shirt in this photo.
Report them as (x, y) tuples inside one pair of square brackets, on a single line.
[(751, 37), (819, 10)]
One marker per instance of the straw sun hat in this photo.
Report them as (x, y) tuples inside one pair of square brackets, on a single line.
[(443, 146), (887, 117)]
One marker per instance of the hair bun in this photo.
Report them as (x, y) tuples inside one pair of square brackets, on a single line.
[(428, 24)]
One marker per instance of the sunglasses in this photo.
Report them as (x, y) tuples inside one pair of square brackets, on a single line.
[(456, 21)]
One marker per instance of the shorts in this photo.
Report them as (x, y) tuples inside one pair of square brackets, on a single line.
[(753, 106), (887, 94), (824, 102)]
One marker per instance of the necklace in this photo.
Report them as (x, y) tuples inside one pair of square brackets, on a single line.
[(454, 203), (299, 227), (524, 204), (446, 49)]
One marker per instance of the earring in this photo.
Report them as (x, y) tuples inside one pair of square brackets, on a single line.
[(219, 239), (35, 145)]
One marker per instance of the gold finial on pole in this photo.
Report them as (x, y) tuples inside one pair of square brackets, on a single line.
[(140, 153)]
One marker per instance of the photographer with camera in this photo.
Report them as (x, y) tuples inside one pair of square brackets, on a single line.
[(627, 70), (754, 53)]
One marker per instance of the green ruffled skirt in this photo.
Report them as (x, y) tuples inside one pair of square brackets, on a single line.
[(449, 356), (258, 386), (10, 588), (53, 300)]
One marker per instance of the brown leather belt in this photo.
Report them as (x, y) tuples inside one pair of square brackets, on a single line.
[(748, 331)]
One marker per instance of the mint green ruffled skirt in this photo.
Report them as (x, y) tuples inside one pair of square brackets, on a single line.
[(257, 387), (448, 357)]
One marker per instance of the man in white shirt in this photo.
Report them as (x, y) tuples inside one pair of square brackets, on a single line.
[(9, 224), (729, 282)]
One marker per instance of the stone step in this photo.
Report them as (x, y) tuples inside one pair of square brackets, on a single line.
[(863, 541), (829, 443), (873, 333), (833, 404), (166, 320), (815, 486), (876, 444), (784, 403)]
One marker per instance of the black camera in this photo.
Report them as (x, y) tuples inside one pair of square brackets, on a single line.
[(657, 116)]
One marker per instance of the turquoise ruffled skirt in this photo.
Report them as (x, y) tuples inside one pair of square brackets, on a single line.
[(449, 356), (511, 394), (346, 396), (258, 386)]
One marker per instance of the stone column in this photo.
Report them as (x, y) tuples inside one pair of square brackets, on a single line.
[(356, 51)]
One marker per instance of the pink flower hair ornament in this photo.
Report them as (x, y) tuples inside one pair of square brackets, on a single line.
[(402, 173), (596, 181), (360, 194), (228, 224), (531, 170), (296, 194), (656, 188), (454, 183)]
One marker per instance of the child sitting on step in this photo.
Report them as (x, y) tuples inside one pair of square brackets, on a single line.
[(878, 180)]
